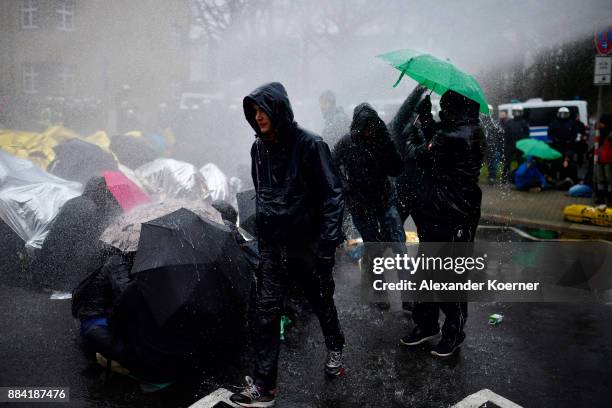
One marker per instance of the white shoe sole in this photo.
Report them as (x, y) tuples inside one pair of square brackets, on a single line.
[(423, 340), (435, 353), (256, 404)]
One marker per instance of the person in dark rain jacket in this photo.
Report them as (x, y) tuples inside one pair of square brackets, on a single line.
[(336, 121), (72, 249), (367, 158), (563, 132), (299, 208), (412, 125), (448, 208), (514, 129)]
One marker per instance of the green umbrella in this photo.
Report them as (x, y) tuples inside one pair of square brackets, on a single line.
[(435, 74), (537, 148)]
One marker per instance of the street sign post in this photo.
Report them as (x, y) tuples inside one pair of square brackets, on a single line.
[(603, 69), (603, 63)]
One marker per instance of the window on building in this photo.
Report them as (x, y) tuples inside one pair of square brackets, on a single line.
[(29, 14), (65, 15), (66, 78), (30, 78)]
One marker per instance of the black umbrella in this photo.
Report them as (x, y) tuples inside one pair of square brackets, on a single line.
[(78, 160), (132, 151), (246, 210), (189, 265)]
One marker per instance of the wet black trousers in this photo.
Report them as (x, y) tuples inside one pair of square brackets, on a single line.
[(281, 267), (426, 314)]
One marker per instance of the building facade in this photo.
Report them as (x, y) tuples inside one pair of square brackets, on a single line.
[(95, 63)]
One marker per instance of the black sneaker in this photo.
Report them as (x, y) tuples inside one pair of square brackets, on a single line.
[(419, 336), (253, 396), (447, 346), (333, 364)]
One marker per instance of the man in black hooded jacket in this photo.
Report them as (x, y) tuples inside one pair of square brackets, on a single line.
[(367, 158), (448, 208), (299, 208)]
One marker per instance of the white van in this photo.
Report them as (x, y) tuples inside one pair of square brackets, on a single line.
[(540, 113)]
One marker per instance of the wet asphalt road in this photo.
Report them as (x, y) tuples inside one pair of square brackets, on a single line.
[(544, 355)]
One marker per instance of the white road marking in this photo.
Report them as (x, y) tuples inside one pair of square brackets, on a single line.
[(209, 401), (479, 398), (58, 295)]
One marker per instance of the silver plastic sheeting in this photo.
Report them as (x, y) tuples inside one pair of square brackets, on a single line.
[(217, 182), (30, 198), (129, 173), (173, 179), (124, 232), (235, 186)]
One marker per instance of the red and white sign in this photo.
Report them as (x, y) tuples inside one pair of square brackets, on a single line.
[(603, 41)]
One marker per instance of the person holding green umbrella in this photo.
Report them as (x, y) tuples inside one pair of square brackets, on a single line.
[(537, 148), (447, 208), (437, 75), (528, 175)]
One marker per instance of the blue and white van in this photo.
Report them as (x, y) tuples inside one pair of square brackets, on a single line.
[(540, 113)]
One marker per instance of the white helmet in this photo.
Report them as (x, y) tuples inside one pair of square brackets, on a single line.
[(563, 113)]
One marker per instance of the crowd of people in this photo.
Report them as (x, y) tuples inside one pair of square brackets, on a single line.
[(302, 188), (568, 136), (363, 175)]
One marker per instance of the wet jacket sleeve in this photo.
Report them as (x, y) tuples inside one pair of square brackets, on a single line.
[(329, 186), (390, 157), (404, 113), (338, 155), (253, 166), (416, 147)]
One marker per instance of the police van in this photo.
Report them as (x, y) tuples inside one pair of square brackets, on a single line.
[(540, 113)]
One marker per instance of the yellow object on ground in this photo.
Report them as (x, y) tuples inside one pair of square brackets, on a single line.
[(411, 237), (588, 214), (101, 139), (38, 147), (134, 133), (60, 133)]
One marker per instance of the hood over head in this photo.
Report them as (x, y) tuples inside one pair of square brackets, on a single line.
[(457, 107), (365, 117), (97, 191), (272, 98)]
